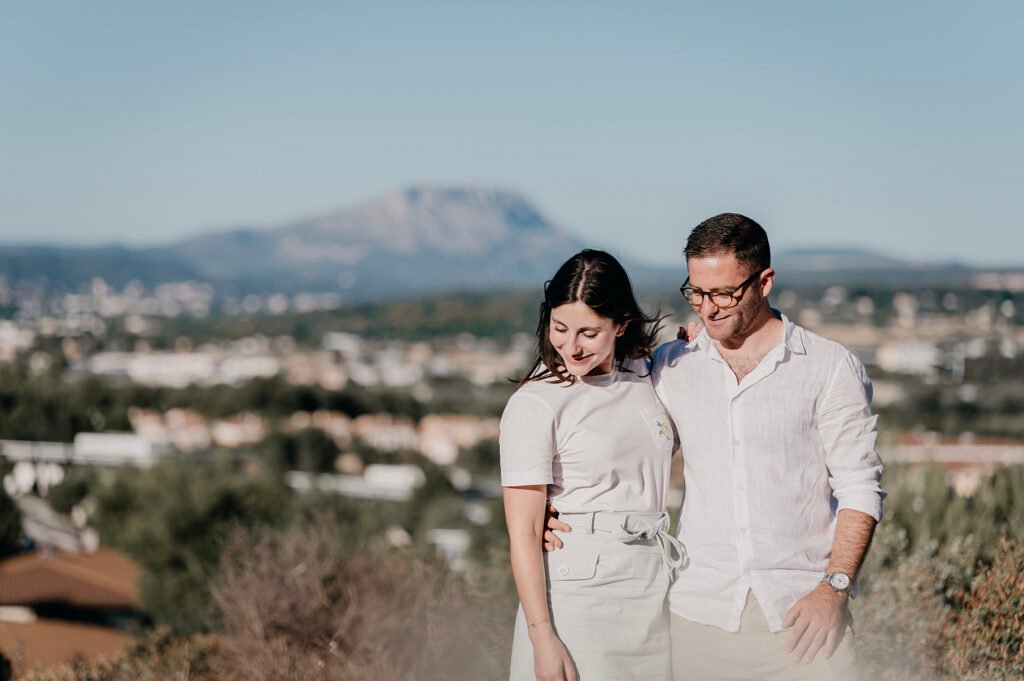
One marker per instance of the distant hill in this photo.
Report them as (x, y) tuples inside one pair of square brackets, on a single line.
[(420, 240), (861, 267), (69, 267)]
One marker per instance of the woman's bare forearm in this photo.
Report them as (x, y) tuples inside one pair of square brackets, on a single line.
[(524, 516)]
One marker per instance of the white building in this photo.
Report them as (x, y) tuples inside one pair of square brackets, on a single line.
[(114, 449), (443, 435), (386, 432), (909, 357)]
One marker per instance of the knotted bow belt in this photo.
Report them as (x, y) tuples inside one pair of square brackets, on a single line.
[(630, 528)]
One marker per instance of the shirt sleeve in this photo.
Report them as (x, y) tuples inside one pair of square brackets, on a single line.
[(526, 442), (849, 432), (662, 354)]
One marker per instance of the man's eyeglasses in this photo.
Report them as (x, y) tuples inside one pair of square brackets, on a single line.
[(721, 299)]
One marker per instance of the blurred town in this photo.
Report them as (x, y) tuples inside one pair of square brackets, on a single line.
[(139, 425)]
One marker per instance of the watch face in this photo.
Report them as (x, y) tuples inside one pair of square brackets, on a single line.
[(839, 581)]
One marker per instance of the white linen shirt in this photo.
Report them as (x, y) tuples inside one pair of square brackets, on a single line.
[(767, 464)]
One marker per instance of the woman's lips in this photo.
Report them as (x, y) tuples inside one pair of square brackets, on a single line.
[(582, 360)]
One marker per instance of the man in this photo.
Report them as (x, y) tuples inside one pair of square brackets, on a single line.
[(781, 474)]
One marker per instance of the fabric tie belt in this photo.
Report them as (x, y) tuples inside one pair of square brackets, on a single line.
[(630, 528)]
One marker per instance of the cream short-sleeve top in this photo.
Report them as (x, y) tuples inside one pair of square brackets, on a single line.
[(604, 443)]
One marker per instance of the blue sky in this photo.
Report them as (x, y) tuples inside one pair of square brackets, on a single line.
[(891, 126)]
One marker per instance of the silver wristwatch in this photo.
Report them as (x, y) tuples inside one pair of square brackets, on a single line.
[(839, 581)]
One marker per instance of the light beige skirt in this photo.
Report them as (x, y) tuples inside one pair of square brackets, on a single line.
[(607, 596)]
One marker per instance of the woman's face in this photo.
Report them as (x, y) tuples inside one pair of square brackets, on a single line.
[(583, 339)]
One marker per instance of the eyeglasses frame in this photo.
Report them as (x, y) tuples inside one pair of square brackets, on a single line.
[(710, 294)]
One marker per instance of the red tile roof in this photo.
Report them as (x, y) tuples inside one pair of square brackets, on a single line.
[(45, 643), (104, 579)]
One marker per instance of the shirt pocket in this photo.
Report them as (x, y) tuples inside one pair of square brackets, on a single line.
[(660, 426)]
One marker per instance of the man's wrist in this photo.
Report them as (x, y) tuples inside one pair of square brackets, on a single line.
[(827, 590), (840, 581)]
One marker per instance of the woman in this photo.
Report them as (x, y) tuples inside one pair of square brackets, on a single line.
[(586, 432)]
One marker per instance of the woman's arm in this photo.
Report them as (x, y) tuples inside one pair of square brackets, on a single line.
[(524, 515)]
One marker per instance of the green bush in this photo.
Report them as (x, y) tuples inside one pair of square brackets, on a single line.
[(173, 519)]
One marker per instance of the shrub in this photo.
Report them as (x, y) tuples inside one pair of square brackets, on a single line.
[(984, 638), (294, 607), (161, 656)]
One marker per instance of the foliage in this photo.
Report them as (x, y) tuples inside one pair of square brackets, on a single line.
[(173, 519), (161, 656), (481, 458), (984, 638), (296, 607), (11, 535), (78, 481), (310, 449), (51, 407), (492, 314), (922, 503), (947, 613), (943, 592)]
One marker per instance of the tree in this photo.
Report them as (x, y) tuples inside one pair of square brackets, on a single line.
[(173, 519), (12, 536)]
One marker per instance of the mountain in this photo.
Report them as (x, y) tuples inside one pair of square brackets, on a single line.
[(69, 267), (849, 266), (424, 239), (419, 239)]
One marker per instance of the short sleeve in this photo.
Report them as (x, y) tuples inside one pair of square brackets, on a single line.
[(665, 355), (526, 442)]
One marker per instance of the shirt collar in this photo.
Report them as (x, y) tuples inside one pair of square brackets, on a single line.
[(792, 335)]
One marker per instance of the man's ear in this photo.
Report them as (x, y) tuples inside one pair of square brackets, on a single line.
[(767, 281)]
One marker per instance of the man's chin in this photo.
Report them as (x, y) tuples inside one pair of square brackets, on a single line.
[(719, 331)]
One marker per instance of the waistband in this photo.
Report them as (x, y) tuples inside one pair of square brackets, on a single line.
[(629, 528)]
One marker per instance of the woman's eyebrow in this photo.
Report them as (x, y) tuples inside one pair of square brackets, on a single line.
[(582, 328)]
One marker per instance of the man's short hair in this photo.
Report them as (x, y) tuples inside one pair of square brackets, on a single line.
[(731, 233)]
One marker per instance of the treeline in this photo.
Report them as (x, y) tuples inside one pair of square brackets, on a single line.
[(494, 314), (53, 407)]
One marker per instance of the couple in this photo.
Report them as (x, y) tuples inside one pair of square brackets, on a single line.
[(781, 480)]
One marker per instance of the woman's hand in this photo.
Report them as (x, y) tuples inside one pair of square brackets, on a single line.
[(551, 661), (690, 331)]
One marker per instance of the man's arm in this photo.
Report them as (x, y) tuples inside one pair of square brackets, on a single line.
[(817, 619), (848, 434)]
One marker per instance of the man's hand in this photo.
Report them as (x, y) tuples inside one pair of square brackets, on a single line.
[(817, 620), (551, 522)]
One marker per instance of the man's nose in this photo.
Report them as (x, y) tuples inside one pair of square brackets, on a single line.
[(707, 306)]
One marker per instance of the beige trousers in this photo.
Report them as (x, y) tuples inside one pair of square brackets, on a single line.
[(704, 653)]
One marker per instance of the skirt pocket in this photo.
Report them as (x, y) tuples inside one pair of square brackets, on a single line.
[(571, 566)]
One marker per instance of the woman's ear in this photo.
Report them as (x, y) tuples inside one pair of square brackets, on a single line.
[(620, 329)]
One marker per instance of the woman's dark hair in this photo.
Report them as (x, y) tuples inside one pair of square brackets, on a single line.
[(598, 280)]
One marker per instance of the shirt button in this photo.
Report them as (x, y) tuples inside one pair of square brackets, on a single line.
[(736, 443), (563, 570), (740, 488), (743, 530)]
